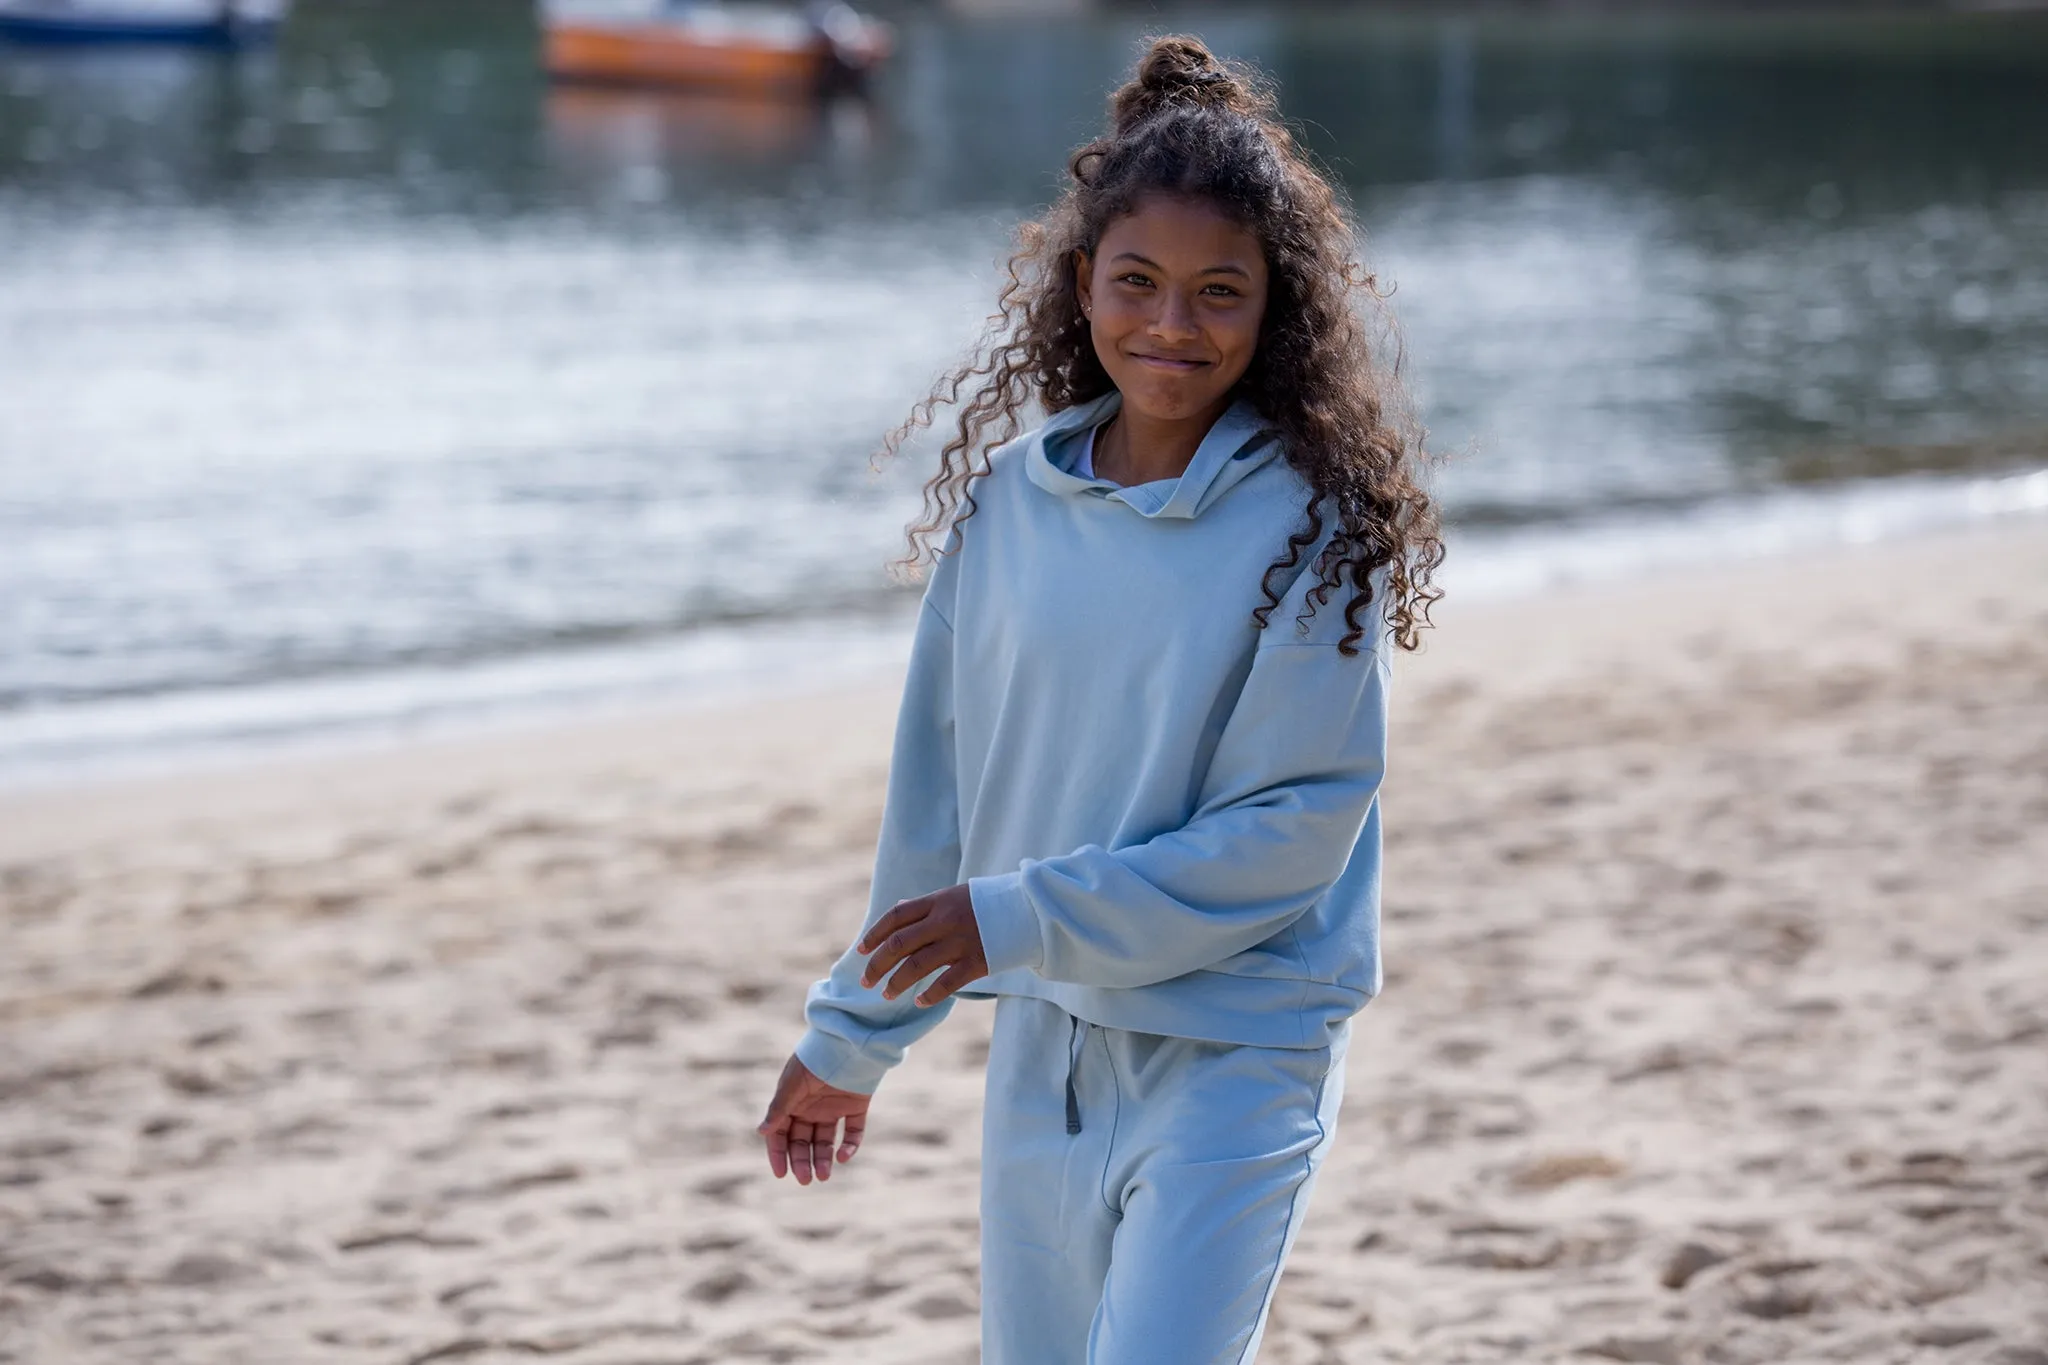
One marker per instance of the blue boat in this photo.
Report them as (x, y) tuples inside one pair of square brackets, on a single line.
[(201, 23)]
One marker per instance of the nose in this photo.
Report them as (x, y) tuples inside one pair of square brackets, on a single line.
[(1175, 318)]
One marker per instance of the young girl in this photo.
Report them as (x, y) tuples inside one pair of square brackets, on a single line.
[(1133, 791)]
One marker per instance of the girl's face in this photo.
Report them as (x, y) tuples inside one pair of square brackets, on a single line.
[(1173, 295)]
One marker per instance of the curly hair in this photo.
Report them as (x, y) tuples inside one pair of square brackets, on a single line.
[(1188, 125)]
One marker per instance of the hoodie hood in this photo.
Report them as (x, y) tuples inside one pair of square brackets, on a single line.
[(1239, 443)]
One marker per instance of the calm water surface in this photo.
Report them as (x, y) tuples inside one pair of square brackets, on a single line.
[(372, 376)]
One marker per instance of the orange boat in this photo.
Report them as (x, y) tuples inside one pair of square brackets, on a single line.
[(730, 46)]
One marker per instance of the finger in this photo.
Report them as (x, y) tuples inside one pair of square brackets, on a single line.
[(900, 945), (900, 914), (916, 968), (821, 1149), (800, 1151), (778, 1148), (856, 1126), (958, 975)]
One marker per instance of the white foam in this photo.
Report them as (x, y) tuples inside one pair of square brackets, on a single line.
[(53, 744), (58, 743), (1515, 563)]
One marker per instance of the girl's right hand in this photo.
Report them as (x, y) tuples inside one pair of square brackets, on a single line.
[(803, 1119)]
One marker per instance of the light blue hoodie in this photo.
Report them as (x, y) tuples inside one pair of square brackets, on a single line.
[(1166, 818)]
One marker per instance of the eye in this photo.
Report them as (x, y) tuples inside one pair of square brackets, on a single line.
[(1133, 277), (1222, 290)]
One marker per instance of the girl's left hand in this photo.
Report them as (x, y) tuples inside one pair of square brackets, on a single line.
[(924, 934)]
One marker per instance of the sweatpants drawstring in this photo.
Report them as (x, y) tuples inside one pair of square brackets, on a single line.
[(1073, 1101)]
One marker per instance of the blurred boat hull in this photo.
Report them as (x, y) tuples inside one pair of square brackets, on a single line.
[(710, 48), (199, 23)]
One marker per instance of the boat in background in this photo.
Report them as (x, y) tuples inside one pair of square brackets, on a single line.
[(759, 47), (204, 23)]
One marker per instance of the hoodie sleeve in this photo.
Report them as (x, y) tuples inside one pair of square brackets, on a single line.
[(1289, 786), (854, 1034)]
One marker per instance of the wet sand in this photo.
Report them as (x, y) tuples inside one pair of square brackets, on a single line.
[(1715, 1029)]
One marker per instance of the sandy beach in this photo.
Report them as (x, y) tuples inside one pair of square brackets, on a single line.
[(1715, 1027)]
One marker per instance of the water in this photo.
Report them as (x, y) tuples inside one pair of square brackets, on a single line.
[(371, 382)]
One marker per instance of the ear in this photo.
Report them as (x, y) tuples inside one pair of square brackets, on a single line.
[(1084, 282)]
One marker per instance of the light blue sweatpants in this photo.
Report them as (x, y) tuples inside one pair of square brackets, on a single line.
[(1155, 1234)]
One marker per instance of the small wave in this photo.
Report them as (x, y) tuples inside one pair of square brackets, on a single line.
[(1511, 563), (56, 743)]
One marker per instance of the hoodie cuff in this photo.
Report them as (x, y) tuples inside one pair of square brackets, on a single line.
[(1009, 930), (839, 1063)]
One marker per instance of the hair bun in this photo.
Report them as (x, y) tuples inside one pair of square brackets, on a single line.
[(1179, 70)]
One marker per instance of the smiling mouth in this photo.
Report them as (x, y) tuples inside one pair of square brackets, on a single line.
[(1168, 363)]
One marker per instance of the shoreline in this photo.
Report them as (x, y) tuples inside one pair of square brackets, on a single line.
[(1715, 922), (719, 728), (51, 747)]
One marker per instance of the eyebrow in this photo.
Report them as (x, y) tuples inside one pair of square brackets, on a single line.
[(1237, 270)]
